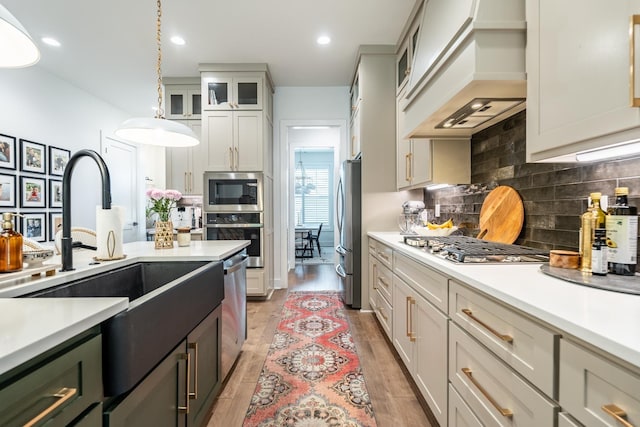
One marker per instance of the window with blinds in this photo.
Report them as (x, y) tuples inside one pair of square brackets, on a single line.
[(313, 196)]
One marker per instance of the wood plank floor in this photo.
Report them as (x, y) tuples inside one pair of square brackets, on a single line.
[(392, 395)]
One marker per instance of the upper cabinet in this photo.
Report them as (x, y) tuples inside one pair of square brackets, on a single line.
[(468, 70), (407, 51), (183, 102), (579, 57), (226, 92)]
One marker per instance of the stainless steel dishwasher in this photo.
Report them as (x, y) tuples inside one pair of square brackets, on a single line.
[(234, 309)]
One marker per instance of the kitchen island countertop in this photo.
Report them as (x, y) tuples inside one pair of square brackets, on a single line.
[(607, 320), (30, 326)]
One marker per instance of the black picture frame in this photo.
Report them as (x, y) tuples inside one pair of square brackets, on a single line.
[(34, 226), (58, 159), (55, 193), (8, 152), (7, 191), (33, 156), (55, 223), (33, 192)]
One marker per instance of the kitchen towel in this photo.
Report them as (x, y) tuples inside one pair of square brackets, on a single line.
[(109, 225)]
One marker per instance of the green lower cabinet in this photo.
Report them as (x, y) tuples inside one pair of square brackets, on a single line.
[(54, 389), (204, 346), (180, 390)]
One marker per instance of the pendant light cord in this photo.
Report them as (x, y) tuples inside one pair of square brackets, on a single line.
[(160, 111)]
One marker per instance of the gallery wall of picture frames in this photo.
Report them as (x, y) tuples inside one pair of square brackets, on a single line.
[(31, 185)]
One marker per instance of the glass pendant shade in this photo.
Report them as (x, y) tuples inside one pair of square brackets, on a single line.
[(17, 49), (155, 131)]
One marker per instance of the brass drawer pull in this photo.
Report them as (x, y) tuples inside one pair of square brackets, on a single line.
[(185, 409), (503, 337), (617, 413), (383, 256), (63, 395), (411, 336), (194, 346), (635, 21), (375, 275), (503, 411), (380, 310), (408, 311), (385, 284)]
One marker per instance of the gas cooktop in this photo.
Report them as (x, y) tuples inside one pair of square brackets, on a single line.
[(465, 249)]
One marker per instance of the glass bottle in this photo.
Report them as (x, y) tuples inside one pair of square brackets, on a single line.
[(599, 251), (10, 246), (622, 235), (601, 216), (587, 226)]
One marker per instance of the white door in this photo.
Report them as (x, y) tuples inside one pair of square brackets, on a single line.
[(121, 160)]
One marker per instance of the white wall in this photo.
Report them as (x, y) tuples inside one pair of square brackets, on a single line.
[(299, 105), (40, 107)]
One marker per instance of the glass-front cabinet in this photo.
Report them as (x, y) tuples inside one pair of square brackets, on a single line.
[(221, 92), (404, 57), (183, 102)]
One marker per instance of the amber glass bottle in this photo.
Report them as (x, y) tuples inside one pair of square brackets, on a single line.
[(10, 246), (622, 235)]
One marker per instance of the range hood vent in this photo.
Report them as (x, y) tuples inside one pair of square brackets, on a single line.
[(468, 52), (477, 112)]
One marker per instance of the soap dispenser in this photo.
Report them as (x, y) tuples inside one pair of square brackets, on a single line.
[(10, 246)]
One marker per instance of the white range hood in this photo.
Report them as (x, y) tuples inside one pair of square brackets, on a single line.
[(469, 68)]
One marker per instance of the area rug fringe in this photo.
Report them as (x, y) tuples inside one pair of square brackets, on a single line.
[(311, 376)]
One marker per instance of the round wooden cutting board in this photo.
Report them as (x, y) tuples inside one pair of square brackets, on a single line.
[(501, 215)]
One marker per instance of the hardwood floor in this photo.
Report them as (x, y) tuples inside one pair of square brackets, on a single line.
[(392, 394)]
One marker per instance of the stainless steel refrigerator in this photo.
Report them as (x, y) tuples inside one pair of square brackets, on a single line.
[(348, 212)]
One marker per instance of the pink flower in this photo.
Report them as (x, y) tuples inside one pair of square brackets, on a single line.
[(162, 201)]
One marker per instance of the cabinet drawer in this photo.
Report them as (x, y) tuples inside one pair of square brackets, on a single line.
[(56, 392), (383, 279), (526, 346), (384, 313), (588, 382), (427, 282), (494, 392), (382, 252), (565, 420), (460, 415)]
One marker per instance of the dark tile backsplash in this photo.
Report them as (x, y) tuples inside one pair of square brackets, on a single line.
[(554, 194)]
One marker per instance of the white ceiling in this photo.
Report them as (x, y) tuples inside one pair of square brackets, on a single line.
[(108, 47)]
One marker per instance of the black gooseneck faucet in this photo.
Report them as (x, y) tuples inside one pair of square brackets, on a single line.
[(67, 254)]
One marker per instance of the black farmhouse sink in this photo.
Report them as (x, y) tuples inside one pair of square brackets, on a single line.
[(166, 301)]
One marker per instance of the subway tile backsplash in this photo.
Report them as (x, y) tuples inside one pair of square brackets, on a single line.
[(554, 194)]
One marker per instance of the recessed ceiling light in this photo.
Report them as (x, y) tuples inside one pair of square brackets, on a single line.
[(51, 41), (177, 40), (324, 40)]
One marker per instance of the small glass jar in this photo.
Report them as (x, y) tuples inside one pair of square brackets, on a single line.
[(184, 236)]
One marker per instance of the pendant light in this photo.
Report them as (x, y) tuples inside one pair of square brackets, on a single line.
[(158, 130), (17, 49)]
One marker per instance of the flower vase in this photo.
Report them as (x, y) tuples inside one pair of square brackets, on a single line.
[(164, 235)]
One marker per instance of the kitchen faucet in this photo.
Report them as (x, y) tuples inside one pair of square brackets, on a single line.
[(66, 242)]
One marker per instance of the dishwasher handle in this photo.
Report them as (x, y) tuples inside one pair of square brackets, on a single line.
[(235, 263)]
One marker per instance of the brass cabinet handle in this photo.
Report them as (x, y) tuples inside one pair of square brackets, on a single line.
[(194, 346), (407, 167), (408, 310), (353, 145), (381, 311), (635, 21), (237, 162), (62, 396), (375, 276), (185, 182), (231, 158), (617, 413), (412, 337), (385, 284), (410, 166), (503, 411), (505, 338), (383, 256), (185, 409), (190, 182)]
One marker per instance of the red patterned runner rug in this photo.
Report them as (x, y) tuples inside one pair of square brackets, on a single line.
[(311, 376)]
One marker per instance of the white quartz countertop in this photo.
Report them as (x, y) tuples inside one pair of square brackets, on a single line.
[(605, 319), (30, 326)]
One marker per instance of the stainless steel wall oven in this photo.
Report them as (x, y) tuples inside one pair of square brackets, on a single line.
[(238, 226)]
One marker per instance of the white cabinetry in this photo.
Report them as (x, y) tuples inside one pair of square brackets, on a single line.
[(420, 329), (183, 102), (229, 91), (186, 166), (404, 56), (380, 284), (578, 89), (235, 140), (597, 391)]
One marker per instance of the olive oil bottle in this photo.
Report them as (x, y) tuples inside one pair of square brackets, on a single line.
[(622, 235), (592, 219), (10, 246)]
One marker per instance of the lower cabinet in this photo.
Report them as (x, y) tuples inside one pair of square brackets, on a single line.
[(420, 337), (380, 286), (180, 390), (460, 415), (597, 391), (57, 388)]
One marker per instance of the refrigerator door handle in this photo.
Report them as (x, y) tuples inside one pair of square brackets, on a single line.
[(340, 271), (341, 250), (339, 206)]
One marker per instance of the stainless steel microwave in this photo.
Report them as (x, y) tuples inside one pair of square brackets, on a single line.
[(233, 192)]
